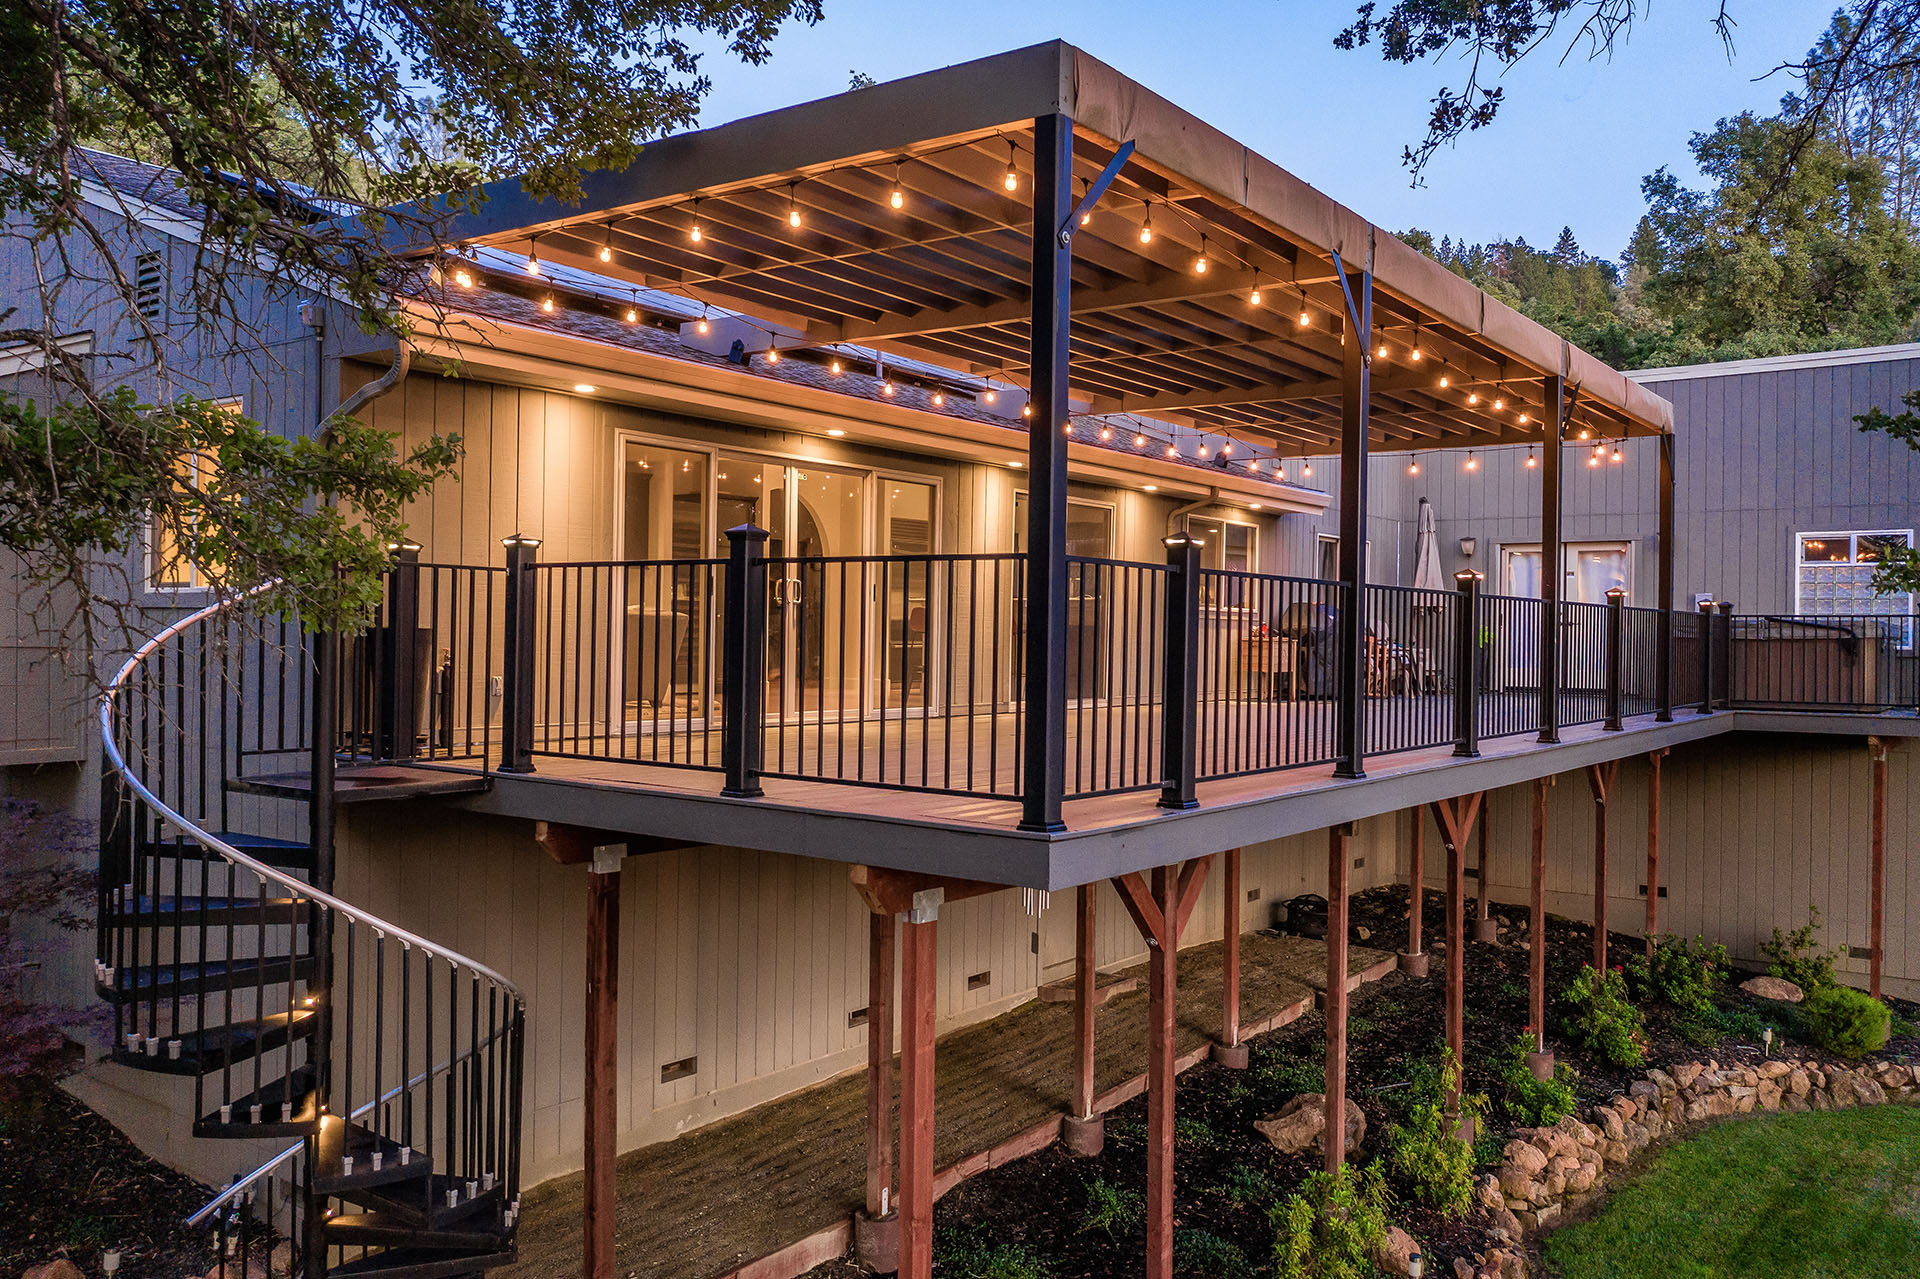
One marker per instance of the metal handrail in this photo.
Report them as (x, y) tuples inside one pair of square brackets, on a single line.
[(117, 764)]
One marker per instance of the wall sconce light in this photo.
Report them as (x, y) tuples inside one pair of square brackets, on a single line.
[(1468, 545)]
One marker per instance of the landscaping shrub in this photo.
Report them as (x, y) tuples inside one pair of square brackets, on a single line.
[(1247, 1187), (1205, 1255), (1332, 1226), (1797, 958), (1598, 1018), (1283, 1073), (1846, 1021), (1681, 974), (1194, 1133), (974, 1254), (1112, 1210), (1424, 1157), (1530, 1102)]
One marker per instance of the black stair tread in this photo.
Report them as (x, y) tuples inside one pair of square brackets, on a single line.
[(424, 1263), (355, 784), (214, 911), (340, 1140), (295, 1089), (380, 1229), (135, 982), (287, 854), (208, 1049), (426, 1203)]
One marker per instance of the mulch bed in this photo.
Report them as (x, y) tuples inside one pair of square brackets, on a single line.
[(1040, 1202), (71, 1185)]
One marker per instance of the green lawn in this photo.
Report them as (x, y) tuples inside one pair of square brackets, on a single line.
[(1832, 1195)]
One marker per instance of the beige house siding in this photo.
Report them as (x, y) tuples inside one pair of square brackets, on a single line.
[(1754, 828)]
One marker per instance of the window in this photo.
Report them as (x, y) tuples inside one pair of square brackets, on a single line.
[(1329, 566), (150, 285), (170, 566), (1833, 574), (1229, 547)]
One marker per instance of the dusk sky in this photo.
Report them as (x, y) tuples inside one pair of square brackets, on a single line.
[(1570, 147)]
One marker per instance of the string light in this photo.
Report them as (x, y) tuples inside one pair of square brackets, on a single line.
[(1026, 410), (992, 395), (1280, 473), (1226, 448), (463, 278), (606, 245), (1306, 316), (702, 326), (886, 388), (1593, 459), (694, 232), (1522, 419), (834, 368), (1499, 403), (899, 197), (1139, 441), (1414, 354), (1306, 470), (633, 308), (533, 256), (1618, 456), (773, 352), (1413, 466), (1171, 450), (1474, 398), (1203, 450), (1146, 222), (1200, 262), (1253, 299), (1473, 463), (1532, 461), (1106, 432), (1013, 177), (546, 303), (793, 207), (1382, 352), (1444, 381), (1067, 430), (939, 398)]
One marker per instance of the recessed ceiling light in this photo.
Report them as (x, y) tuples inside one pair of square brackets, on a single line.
[(1151, 488), (834, 430), (585, 388), (1016, 464), (1255, 506)]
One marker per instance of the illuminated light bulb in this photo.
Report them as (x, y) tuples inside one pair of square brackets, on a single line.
[(1413, 467), (1306, 469), (1146, 223), (793, 208), (1593, 461), (1522, 419), (1256, 506), (832, 430), (1382, 352), (1473, 463), (1226, 448), (1106, 432), (1150, 488), (773, 352), (633, 315), (1474, 398), (1253, 464), (1444, 380), (533, 258), (835, 368), (1026, 410), (702, 326), (463, 278), (1203, 450), (1172, 451), (546, 303), (1200, 261), (899, 197), (606, 245), (1499, 404), (1584, 433), (1414, 355), (886, 388), (1306, 318), (1618, 456), (1253, 299), (1139, 441), (1532, 461), (1012, 180), (694, 232), (939, 398), (992, 395), (1067, 430), (1280, 473)]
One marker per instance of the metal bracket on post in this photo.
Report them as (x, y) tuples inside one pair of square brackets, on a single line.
[(925, 906), (1180, 678), (517, 656), (1616, 656), (607, 858), (1466, 674), (744, 659)]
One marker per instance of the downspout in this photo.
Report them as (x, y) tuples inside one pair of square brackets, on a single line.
[(402, 362), (1180, 513)]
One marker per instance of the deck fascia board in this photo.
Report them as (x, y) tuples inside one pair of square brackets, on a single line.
[(1114, 835)]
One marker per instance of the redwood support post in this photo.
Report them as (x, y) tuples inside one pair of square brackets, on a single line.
[(877, 1231), (1161, 915), (1552, 571), (1333, 1137), (1653, 848), (1600, 777), (1083, 1132), (1484, 929), (1456, 817), (602, 1107), (918, 950), (1230, 1052), (1162, 977), (1877, 751), (1414, 962), (1537, 933)]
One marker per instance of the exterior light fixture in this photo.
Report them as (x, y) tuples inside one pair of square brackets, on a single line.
[(701, 326), (1253, 298), (1413, 466), (1146, 222), (1200, 262), (694, 232), (606, 245), (939, 398), (835, 431), (463, 278), (1444, 381), (584, 388), (1150, 488), (1256, 506), (546, 303), (1468, 546), (1016, 464), (1012, 180), (533, 256), (512, 540), (1532, 461), (899, 197), (793, 207), (1473, 462)]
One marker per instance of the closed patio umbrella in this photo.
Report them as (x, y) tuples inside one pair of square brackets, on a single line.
[(1426, 552)]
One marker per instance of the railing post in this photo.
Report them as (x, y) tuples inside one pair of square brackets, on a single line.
[(1706, 658), (1663, 651), (1725, 608), (1616, 655), (1180, 682), (398, 693), (1466, 665), (517, 655), (744, 662)]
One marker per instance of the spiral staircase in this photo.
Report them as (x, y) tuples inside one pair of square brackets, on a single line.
[(390, 1066)]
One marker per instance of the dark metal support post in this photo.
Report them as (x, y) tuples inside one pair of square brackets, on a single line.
[(1553, 420), (399, 676), (1181, 672), (322, 762), (517, 656), (1725, 662), (1616, 657), (1466, 667), (1663, 650), (1355, 390), (1706, 658), (1044, 766), (743, 684)]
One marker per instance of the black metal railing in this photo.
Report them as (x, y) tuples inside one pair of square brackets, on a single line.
[(1115, 668), (1864, 662), (1268, 673), (1410, 650), (226, 957), (417, 684), (1507, 656)]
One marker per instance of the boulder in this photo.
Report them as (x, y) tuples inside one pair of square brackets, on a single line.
[(1583, 1177), (1773, 1069), (1773, 988), (1612, 1124), (60, 1269), (1798, 1082), (1300, 1123), (1505, 1221), (1487, 1192), (1396, 1252), (1686, 1073), (1525, 1156), (1463, 1269)]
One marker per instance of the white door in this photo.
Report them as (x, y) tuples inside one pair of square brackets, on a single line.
[(1589, 570)]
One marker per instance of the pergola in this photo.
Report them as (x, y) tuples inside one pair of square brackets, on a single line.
[(1038, 218)]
